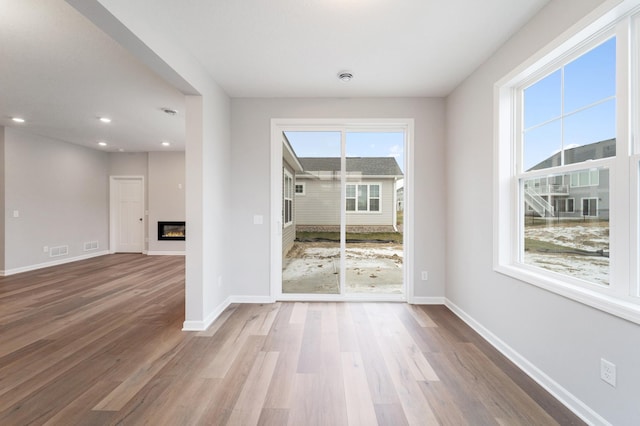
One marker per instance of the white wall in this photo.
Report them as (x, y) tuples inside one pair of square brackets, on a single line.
[(250, 186), (60, 192), (166, 197), (561, 338), (2, 209), (128, 164)]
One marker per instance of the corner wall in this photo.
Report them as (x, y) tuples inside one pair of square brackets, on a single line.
[(207, 150), (557, 340)]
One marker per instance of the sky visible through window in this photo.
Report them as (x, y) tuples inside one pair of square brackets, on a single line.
[(571, 107), (358, 144)]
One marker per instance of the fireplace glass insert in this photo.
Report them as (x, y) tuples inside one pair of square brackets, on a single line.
[(172, 231)]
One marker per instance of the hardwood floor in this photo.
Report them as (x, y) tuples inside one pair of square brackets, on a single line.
[(100, 342)]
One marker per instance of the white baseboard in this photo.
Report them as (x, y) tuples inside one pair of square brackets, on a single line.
[(554, 388), (251, 299), (165, 253), (427, 300), (21, 269), (206, 323)]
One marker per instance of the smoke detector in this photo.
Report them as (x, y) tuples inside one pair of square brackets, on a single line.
[(345, 76), (170, 111)]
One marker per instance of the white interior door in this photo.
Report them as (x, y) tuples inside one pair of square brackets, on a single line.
[(127, 214)]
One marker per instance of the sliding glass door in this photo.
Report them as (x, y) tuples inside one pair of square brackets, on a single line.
[(342, 213)]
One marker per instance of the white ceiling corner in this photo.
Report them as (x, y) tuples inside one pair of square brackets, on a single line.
[(61, 72)]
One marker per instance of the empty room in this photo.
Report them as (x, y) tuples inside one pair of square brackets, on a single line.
[(323, 212)]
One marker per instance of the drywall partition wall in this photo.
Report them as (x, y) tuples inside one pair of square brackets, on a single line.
[(129, 164), (207, 152), (251, 138), (2, 205), (57, 194), (558, 341), (166, 198)]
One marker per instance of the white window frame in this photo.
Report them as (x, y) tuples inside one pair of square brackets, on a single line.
[(620, 297), (301, 184), (592, 182), (369, 197), (287, 195), (280, 125)]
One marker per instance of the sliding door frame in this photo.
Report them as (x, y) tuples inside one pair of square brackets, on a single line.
[(278, 126)]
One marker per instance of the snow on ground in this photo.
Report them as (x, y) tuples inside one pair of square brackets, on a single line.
[(583, 237), (589, 236), (370, 268)]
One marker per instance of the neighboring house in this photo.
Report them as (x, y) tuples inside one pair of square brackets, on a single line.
[(584, 193), (400, 199), (290, 167), (370, 193)]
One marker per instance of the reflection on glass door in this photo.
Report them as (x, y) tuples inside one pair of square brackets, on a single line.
[(311, 235), (374, 212), (342, 213)]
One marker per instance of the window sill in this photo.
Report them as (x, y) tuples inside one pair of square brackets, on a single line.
[(616, 306)]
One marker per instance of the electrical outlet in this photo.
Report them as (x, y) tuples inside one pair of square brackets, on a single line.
[(425, 275), (45, 249), (608, 372)]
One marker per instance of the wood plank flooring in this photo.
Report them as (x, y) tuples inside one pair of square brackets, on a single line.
[(99, 342)]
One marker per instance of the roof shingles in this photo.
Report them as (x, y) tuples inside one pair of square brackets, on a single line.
[(368, 166)]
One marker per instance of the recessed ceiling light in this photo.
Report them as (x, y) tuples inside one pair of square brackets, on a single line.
[(345, 76), (102, 143), (165, 143), (170, 111), (18, 119), (105, 119)]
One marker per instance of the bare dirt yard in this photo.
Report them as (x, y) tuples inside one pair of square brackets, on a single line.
[(313, 267), (578, 249)]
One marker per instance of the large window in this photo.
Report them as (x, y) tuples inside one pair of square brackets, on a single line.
[(563, 216), (363, 197), (569, 117)]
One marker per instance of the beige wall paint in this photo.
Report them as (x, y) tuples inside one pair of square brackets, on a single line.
[(60, 191), (166, 197), (250, 194), (2, 204), (558, 337)]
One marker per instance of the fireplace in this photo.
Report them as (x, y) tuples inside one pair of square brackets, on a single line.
[(171, 231)]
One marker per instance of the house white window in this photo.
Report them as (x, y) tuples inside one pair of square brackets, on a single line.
[(585, 178), (563, 220), (300, 188), (363, 197), (287, 199)]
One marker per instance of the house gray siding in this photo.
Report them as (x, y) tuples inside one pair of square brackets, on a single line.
[(321, 203)]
